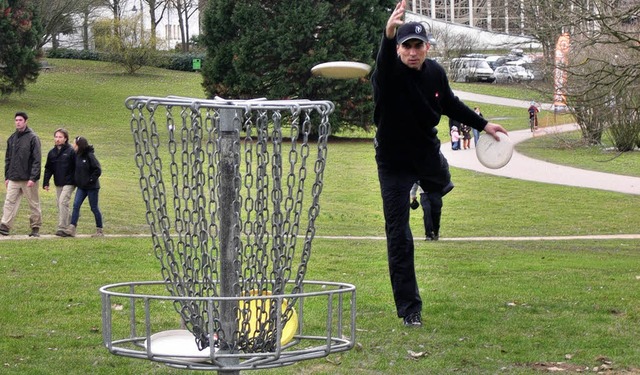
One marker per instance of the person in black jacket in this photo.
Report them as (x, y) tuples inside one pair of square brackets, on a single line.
[(61, 164), (411, 93), (87, 174), (22, 165)]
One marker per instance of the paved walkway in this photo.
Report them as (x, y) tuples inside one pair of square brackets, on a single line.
[(525, 168), (481, 98)]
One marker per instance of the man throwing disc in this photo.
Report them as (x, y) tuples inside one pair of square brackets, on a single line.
[(411, 93)]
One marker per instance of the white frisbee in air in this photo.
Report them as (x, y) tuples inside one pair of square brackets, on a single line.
[(341, 70), (493, 154)]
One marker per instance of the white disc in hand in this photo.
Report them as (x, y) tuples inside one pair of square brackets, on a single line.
[(493, 154)]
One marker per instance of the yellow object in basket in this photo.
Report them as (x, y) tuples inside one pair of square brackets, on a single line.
[(258, 310)]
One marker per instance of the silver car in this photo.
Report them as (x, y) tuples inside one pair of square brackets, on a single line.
[(467, 69), (512, 73)]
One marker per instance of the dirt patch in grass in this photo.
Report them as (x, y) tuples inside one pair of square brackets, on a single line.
[(605, 366)]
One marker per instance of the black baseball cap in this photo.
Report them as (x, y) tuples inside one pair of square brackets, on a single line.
[(411, 30)]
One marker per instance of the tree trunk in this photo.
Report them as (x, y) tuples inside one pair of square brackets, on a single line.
[(85, 30)]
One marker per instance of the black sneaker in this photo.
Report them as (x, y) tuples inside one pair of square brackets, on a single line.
[(413, 320), (35, 232), (432, 237), (4, 230)]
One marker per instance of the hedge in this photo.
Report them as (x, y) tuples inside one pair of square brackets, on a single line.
[(167, 60)]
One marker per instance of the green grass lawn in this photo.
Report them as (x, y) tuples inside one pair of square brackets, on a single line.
[(513, 91), (567, 149), (489, 306)]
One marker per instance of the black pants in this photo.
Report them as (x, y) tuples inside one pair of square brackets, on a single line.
[(395, 188), (431, 203)]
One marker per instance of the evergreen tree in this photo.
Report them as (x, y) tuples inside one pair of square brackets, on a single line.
[(266, 48), (20, 29)]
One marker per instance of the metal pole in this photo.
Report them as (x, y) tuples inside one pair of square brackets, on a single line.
[(229, 147)]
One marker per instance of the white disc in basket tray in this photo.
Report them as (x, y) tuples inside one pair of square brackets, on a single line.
[(493, 154), (341, 69), (177, 344)]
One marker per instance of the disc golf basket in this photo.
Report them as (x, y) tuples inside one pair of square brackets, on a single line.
[(231, 189)]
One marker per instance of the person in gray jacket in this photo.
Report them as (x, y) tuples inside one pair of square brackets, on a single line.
[(22, 164)]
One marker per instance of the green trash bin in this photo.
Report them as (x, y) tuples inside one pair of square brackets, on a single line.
[(197, 64)]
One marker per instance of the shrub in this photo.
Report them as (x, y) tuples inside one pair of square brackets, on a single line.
[(161, 59), (179, 61), (64, 53)]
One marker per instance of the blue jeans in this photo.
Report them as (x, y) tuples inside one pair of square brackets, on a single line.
[(476, 136), (81, 194)]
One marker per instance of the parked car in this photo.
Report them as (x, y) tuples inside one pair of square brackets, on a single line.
[(465, 69), (512, 73), (535, 66), (495, 61)]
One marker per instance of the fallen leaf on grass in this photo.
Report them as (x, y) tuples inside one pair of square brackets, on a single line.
[(557, 367), (554, 369), (337, 360), (117, 306), (416, 355), (604, 360)]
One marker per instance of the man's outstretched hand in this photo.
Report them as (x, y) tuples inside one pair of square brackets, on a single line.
[(395, 20), (494, 129)]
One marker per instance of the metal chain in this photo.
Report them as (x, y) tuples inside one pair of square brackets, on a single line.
[(269, 189)]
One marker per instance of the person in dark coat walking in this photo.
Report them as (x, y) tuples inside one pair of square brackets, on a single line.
[(22, 165), (87, 174), (61, 165)]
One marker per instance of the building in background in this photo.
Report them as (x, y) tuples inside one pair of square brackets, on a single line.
[(504, 16)]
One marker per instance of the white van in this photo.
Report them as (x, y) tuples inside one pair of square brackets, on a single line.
[(468, 69)]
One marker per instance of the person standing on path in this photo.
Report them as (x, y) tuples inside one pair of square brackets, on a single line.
[(455, 138), (533, 115), (431, 210), (411, 93), (466, 136), (22, 164), (87, 174), (476, 132), (61, 164)]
